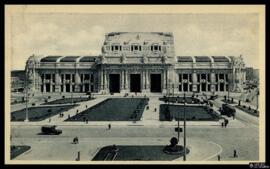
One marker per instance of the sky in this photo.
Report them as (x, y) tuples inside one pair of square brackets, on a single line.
[(83, 34)]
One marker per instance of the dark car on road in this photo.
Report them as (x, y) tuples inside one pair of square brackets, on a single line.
[(50, 130), (228, 110), (213, 97)]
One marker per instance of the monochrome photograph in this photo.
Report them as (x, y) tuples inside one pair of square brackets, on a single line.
[(134, 84)]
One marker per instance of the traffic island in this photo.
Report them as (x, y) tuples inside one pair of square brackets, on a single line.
[(193, 113), (136, 153), (113, 109), (15, 151), (40, 113)]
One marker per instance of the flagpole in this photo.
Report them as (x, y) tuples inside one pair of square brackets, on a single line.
[(184, 157)]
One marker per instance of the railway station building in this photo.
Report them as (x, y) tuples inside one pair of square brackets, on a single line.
[(136, 62)]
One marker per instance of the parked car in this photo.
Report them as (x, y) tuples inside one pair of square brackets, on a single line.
[(228, 110), (213, 97), (50, 130)]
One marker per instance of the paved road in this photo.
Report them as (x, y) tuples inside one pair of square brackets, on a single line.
[(205, 143)]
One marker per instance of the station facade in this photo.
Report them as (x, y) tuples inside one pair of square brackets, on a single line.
[(135, 62)]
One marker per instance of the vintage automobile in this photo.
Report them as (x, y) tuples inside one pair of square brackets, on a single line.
[(50, 130), (228, 110), (213, 97)]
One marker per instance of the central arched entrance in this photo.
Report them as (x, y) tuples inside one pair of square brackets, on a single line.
[(135, 83), (114, 84), (155, 83)]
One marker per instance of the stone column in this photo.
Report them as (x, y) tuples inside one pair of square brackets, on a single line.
[(101, 85), (123, 87), (164, 80), (180, 81), (82, 82), (77, 81), (213, 81), (57, 82), (194, 81), (70, 83), (125, 80), (64, 83), (51, 81), (105, 80), (176, 86), (128, 81), (147, 76)]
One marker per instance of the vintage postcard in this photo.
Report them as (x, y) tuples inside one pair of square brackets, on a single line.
[(134, 84)]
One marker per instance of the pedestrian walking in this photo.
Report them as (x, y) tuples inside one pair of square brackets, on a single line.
[(222, 124), (226, 122), (75, 140), (49, 120), (86, 121), (218, 157), (109, 126), (78, 156), (155, 109), (235, 153)]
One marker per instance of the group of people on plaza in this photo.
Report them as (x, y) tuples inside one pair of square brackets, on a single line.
[(225, 123), (235, 155)]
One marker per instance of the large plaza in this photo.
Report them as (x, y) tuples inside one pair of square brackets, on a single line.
[(206, 139)]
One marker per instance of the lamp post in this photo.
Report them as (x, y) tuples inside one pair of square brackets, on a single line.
[(184, 157)]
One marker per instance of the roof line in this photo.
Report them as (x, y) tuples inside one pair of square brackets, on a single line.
[(58, 60)]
